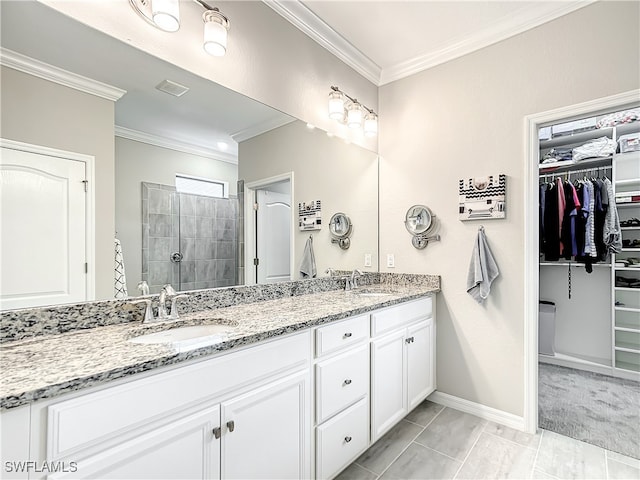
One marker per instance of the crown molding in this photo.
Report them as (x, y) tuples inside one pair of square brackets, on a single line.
[(261, 128), (172, 144), (309, 23), (31, 66), (501, 30)]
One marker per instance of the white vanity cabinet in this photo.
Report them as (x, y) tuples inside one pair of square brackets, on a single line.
[(243, 415), (402, 362), (342, 394)]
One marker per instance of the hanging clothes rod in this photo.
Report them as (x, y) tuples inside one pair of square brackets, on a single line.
[(575, 172)]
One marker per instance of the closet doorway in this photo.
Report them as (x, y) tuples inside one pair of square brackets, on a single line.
[(583, 343)]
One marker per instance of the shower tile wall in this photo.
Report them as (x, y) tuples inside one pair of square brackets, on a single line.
[(202, 228)]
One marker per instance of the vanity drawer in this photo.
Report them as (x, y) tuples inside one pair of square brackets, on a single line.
[(398, 316), (340, 440), (341, 334), (340, 381)]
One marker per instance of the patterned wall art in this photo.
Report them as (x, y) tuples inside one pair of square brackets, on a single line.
[(482, 198)]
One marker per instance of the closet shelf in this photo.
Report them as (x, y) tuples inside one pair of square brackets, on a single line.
[(580, 137), (628, 347), (628, 205), (629, 181), (627, 329), (567, 165), (573, 264), (627, 309), (628, 269), (632, 249), (627, 289), (629, 228)]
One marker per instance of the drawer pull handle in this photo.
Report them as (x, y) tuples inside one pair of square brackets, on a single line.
[(231, 425), (217, 432), (348, 334), (347, 439), (347, 381), (409, 340)]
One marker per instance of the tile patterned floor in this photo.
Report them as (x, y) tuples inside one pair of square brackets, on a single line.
[(434, 442)]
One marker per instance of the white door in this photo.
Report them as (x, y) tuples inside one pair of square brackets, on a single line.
[(186, 448), (42, 230), (388, 400), (420, 377), (266, 433), (273, 228)]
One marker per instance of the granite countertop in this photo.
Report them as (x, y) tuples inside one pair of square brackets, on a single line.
[(50, 365)]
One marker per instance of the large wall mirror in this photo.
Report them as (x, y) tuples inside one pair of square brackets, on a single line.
[(167, 165)]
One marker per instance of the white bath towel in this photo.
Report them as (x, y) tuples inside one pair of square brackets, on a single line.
[(119, 279), (482, 269), (308, 264)]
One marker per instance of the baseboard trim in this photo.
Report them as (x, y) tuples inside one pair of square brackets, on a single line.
[(479, 410)]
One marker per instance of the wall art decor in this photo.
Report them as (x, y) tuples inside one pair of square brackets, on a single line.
[(482, 198)]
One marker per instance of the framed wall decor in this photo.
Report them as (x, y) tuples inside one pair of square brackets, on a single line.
[(482, 198)]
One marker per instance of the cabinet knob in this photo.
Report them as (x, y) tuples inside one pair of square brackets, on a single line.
[(348, 334), (347, 439), (347, 381), (231, 425), (409, 340), (217, 432)]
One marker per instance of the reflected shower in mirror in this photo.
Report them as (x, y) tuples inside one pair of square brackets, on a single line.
[(153, 134)]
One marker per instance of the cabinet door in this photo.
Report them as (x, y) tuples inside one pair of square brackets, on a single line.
[(420, 362), (388, 395), (266, 432), (185, 448)]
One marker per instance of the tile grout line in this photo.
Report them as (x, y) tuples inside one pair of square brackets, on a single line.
[(365, 468), (511, 441), (434, 450), (535, 459), (606, 464), (413, 440), (470, 450)]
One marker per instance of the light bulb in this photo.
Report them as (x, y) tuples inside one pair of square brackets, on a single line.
[(370, 124), (354, 115), (336, 105), (216, 27), (166, 14)]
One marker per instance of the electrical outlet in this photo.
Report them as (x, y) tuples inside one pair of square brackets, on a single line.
[(367, 259), (391, 262)]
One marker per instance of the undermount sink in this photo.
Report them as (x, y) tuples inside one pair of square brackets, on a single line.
[(187, 338)]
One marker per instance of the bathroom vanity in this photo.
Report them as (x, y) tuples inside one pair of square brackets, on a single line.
[(299, 387)]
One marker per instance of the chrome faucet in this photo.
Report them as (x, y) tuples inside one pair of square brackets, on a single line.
[(351, 282), (162, 306), (167, 291)]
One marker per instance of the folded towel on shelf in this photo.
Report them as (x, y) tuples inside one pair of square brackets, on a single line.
[(308, 264), (483, 269), (119, 280)]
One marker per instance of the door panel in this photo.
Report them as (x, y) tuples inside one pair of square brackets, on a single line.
[(273, 236), (271, 427), (420, 377), (388, 404), (42, 230), (185, 448)]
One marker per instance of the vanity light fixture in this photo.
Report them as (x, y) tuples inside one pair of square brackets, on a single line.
[(165, 15), (346, 109)]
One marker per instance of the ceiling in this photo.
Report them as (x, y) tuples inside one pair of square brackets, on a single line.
[(382, 40), (195, 122), (389, 40)]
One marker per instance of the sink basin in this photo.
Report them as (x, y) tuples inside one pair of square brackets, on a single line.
[(186, 338)]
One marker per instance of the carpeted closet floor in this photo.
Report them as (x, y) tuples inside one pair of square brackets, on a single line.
[(594, 408)]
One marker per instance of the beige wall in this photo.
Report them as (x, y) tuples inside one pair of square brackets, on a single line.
[(138, 162), (343, 176), (43, 113), (268, 59), (466, 118)]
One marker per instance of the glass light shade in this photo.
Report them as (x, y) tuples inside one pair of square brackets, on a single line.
[(336, 105), (215, 33), (370, 124), (354, 115), (166, 14)]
